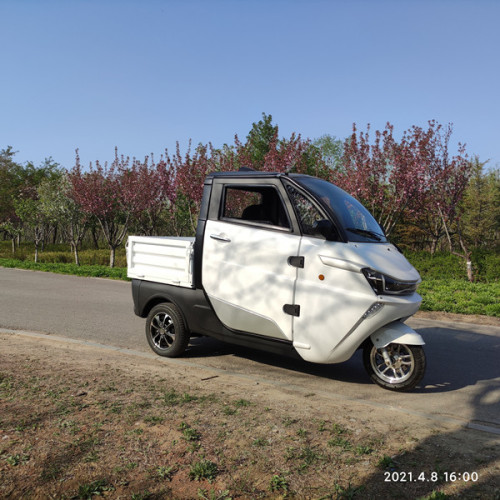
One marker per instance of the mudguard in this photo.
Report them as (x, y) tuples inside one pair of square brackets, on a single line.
[(396, 332)]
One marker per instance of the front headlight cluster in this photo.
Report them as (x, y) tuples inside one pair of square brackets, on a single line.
[(385, 285)]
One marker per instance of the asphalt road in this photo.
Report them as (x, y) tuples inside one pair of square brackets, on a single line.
[(462, 382)]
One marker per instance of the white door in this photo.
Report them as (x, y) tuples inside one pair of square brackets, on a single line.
[(247, 273), (330, 289)]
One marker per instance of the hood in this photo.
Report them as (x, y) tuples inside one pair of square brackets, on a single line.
[(382, 257)]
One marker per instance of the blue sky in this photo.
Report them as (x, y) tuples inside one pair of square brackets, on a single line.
[(141, 75)]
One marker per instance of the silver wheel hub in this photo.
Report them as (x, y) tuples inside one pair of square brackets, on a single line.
[(162, 331), (393, 364)]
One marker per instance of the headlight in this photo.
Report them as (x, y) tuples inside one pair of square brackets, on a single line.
[(385, 285)]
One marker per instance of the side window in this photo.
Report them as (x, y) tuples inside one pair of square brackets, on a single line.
[(307, 213), (259, 204)]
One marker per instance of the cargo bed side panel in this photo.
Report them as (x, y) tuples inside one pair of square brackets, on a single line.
[(166, 260)]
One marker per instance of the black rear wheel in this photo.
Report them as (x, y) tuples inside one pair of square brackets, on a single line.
[(166, 331), (397, 367)]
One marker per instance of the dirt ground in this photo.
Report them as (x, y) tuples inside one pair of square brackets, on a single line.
[(79, 422)]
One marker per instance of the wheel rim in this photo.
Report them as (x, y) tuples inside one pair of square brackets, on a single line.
[(162, 331), (393, 364)]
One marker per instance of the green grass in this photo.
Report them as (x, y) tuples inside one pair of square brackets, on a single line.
[(279, 484), (89, 490), (445, 288), (203, 469), (60, 268), (460, 296)]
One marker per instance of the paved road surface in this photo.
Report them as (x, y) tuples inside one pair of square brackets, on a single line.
[(462, 380)]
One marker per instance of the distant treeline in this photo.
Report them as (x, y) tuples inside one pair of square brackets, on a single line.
[(425, 196)]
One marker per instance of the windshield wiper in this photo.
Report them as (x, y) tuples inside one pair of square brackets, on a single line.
[(366, 232)]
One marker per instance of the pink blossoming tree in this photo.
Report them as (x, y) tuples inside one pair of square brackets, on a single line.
[(119, 194)]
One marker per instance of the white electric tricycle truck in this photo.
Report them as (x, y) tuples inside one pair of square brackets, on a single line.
[(285, 263)]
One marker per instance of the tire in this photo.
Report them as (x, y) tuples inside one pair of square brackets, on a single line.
[(166, 331), (404, 371)]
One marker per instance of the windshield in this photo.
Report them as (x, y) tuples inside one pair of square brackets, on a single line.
[(358, 223)]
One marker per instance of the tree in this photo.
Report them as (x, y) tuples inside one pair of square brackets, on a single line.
[(415, 178), (330, 149), (27, 204), (59, 208), (225, 159), (190, 172), (28, 210), (10, 224), (449, 177), (125, 192), (259, 141), (156, 195), (480, 209), (7, 183), (98, 193), (294, 155), (264, 150), (388, 177)]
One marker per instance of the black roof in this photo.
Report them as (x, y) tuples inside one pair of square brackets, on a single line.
[(249, 173)]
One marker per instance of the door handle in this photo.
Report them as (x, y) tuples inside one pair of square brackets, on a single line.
[(220, 237)]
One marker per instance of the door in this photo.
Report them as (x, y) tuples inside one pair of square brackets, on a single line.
[(330, 290), (247, 272)]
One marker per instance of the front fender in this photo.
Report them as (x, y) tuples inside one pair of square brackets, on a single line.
[(396, 332)]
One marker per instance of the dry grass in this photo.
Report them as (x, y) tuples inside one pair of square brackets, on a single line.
[(79, 422)]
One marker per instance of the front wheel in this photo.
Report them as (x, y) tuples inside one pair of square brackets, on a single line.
[(397, 367), (166, 331)]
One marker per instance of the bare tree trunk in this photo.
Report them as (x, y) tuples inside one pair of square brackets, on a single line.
[(95, 238), (74, 247), (433, 245), (467, 256), (466, 253), (193, 224), (112, 256), (470, 273)]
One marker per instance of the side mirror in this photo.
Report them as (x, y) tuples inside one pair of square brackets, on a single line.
[(327, 229)]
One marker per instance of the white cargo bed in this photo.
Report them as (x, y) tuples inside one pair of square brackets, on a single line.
[(161, 259)]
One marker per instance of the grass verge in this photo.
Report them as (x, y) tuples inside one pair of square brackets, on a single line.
[(95, 271), (460, 296)]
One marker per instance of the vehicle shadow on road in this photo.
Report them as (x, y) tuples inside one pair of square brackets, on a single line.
[(458, 359), (350, 371), (455, 359)]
